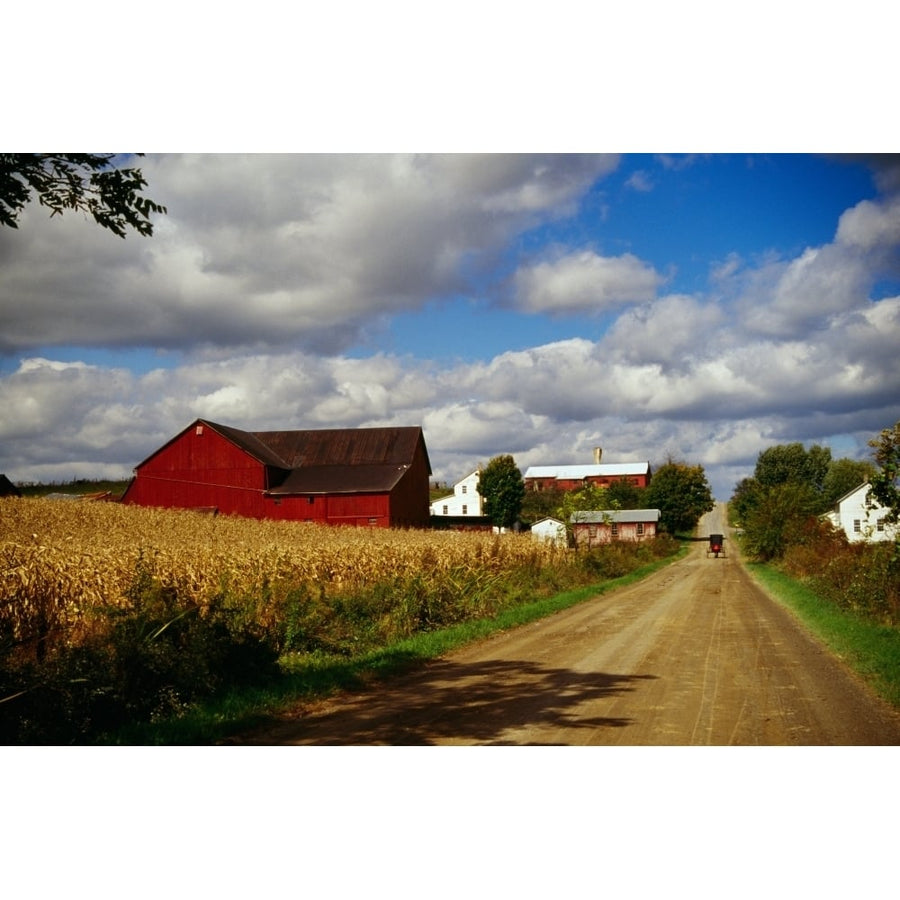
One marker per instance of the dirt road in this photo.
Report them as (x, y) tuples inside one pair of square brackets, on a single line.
[(695, 654)]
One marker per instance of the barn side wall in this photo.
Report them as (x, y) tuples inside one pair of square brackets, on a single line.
[(410, 499), (201, 469)]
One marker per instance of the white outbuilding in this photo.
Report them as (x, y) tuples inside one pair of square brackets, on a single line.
[(550, 530)]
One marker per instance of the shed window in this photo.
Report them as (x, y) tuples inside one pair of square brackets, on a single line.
[(614, 529), (640, 527)]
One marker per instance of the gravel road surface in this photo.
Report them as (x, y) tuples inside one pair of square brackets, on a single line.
[(696, 654)]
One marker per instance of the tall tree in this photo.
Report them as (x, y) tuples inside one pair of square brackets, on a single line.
[(682, 495), (785, 463), (778, 518), (588, 497), (843, 476), (501, 486), (885, 484), (90, 182)]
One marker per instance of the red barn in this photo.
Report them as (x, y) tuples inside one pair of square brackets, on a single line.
[(341, 476)]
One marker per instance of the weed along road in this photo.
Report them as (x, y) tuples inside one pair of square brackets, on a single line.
[(696, 654)]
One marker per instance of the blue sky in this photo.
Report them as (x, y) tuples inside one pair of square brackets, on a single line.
[(702, 307)]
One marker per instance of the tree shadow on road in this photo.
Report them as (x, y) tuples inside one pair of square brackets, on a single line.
[(450, 702)]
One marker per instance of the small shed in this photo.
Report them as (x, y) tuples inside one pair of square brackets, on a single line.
[(550, 530), (593, 528), (7, 488)]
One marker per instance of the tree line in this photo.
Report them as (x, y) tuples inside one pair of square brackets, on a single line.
[(792, 487)]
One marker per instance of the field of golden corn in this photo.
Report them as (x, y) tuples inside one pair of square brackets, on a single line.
[(61, 561)]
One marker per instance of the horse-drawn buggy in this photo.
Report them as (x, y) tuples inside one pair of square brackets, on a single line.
[(716, 546)]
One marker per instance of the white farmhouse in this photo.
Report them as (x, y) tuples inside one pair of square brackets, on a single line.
[(859, 523), (464, 501)]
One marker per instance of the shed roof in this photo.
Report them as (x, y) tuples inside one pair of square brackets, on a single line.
[(619, 516)]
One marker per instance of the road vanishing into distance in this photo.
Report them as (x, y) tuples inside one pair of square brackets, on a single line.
[(695, 654)]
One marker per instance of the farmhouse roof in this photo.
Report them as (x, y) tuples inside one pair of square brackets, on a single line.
[(849, 494), (591, 471), (619, 516)]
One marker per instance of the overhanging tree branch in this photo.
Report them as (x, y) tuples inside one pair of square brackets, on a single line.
[(90, 182)]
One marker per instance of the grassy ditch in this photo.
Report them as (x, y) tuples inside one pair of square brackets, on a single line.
[(317, 674), (868, 647)]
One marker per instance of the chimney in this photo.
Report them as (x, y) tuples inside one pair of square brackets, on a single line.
[(598, 452)]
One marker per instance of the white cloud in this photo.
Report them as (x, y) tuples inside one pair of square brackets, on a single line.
[(640, 181), (259, 271), (585, 282), (871, 224), (291, 250)]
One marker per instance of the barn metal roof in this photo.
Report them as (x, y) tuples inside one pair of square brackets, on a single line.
[(592, 471), (344, 446), (619, 516), (329, 460)]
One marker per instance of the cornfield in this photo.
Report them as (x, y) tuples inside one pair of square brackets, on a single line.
[(112, 615), (61, 563)]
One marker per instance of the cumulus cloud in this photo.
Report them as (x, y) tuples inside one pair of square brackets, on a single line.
[(584, 282), (301, 250), (263, 275), (871, 224)]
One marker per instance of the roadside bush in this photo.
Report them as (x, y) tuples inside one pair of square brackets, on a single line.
[(141, 663)]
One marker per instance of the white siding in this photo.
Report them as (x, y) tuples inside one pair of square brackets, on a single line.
[(550, 530), (859, 523), (464, 501)]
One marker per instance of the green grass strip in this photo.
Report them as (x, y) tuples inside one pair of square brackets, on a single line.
[(316, 675), (868, 648)]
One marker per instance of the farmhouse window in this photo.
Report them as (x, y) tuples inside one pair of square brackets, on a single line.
[(464, 488), (444, 508), (879, 525), (856, 526), (465, 509)]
